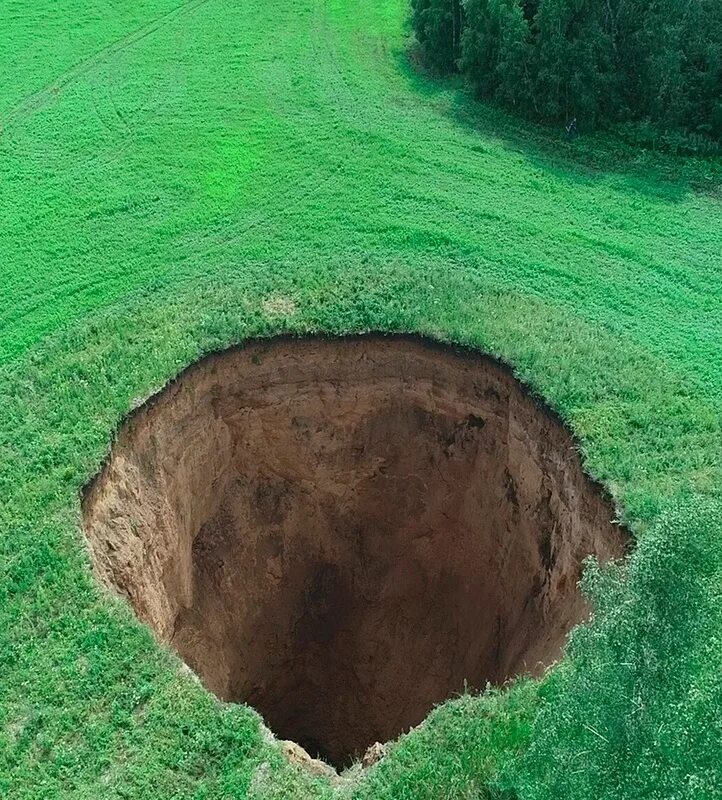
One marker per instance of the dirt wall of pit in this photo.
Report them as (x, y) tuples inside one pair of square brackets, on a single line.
[(345, 532)]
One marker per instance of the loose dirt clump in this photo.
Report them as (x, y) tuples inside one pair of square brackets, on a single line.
[(344, 532)]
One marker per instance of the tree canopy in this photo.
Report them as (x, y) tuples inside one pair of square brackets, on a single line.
[(657, 63)]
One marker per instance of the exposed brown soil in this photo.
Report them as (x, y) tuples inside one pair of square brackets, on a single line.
[(343, 533)]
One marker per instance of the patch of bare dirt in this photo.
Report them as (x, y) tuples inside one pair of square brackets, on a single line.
[(344, 532)]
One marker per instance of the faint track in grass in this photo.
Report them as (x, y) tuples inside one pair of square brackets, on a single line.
[(36, 100)]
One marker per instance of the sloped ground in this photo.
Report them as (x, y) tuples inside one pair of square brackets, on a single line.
[(177, 179)]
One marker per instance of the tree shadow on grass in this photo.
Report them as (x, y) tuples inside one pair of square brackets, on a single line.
[(585, 160)]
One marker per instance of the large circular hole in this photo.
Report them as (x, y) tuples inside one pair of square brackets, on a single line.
[(344, 532)]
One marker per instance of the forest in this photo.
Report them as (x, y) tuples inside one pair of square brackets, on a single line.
[(652, 68)]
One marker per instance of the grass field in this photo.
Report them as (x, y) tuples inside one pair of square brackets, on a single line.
[(177, 177)]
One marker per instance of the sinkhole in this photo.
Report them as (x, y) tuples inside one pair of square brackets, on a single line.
[(343, 533)]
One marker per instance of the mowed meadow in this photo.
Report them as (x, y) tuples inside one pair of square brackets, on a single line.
[(178, 177)]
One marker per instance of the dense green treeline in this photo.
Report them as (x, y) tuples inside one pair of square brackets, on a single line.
[(655, 63)]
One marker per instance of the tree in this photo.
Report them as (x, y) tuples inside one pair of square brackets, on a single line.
[(573, 60), (438, 25), (496, 51), (605, 62)]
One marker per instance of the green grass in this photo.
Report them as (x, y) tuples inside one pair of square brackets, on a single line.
[(166, 168)]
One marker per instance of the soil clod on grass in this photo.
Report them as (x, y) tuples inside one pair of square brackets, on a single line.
[(344, 532)]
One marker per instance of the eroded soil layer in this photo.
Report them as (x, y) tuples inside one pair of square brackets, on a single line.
[(344, 532)]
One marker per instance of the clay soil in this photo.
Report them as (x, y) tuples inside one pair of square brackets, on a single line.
[(344, 532)]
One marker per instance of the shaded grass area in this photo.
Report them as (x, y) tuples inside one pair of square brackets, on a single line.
[(212, 182), (588, 158)]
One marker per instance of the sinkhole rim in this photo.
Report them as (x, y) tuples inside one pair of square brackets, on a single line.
[(434, 348)]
